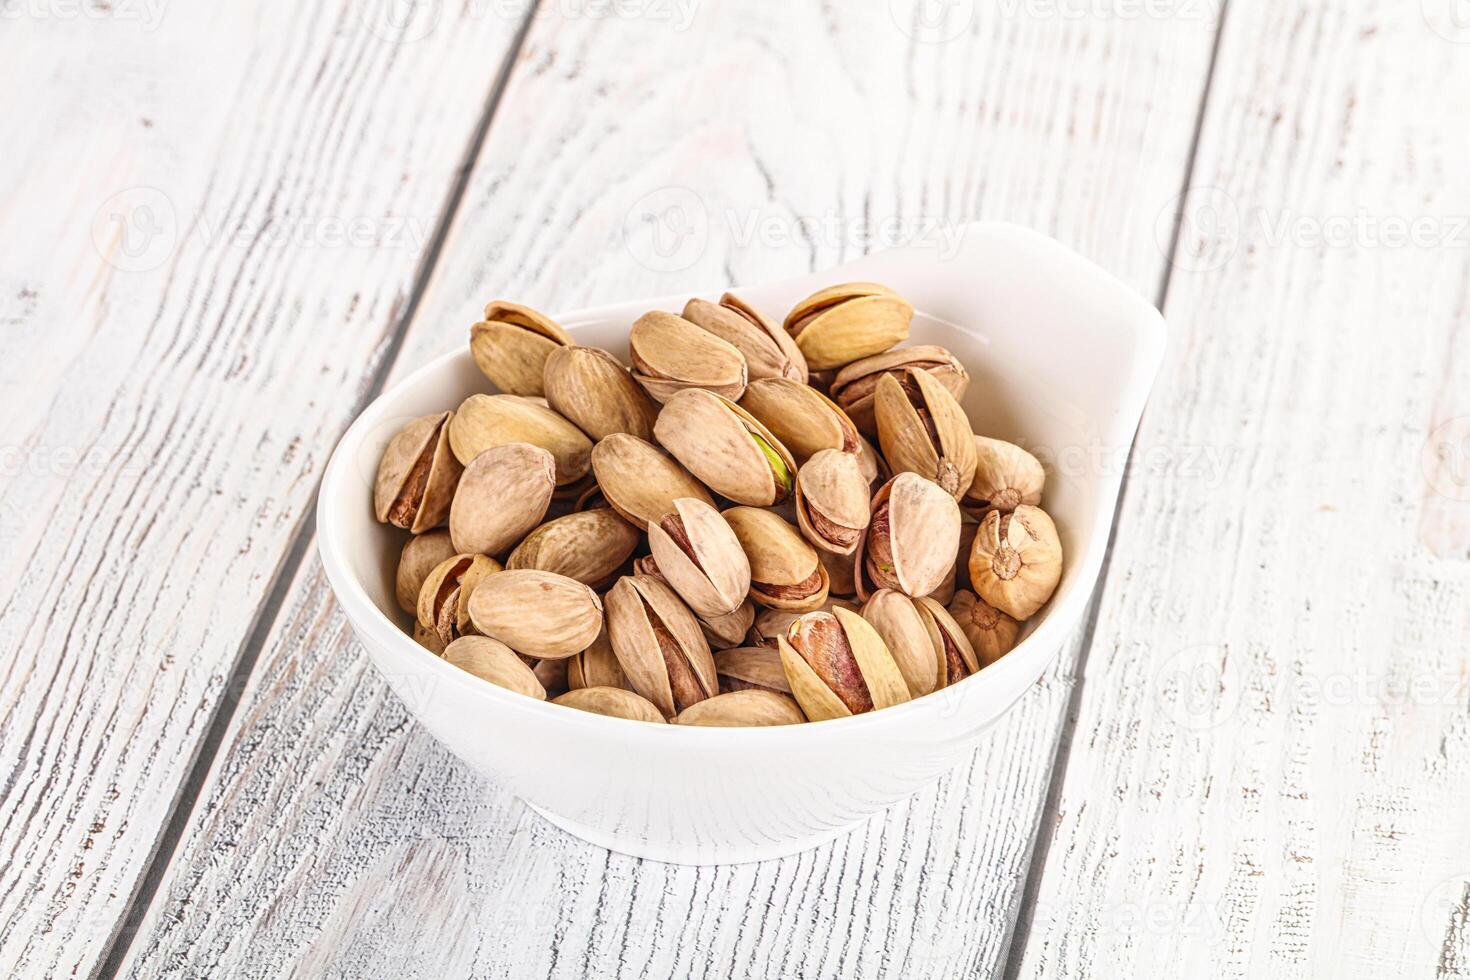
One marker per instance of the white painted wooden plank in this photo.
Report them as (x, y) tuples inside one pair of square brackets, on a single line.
[(334, 830), (1270, 773), (212, 218)]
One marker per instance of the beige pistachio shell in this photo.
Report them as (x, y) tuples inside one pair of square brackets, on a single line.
[(841, 324), (992, 634), (671, 354), (417, 475), (443, 604), (639, 482), (700, 557), (768, 350), (772, 623), (805, 420), (923, 430), (589, 546), (785, 572), (493, 661), (912, 539), (726, 448), (427, 638), (742, 709), (503, 494), (724, 632), (596, 666), (873, 466), (950, 642), (485, 421), (659, 645), (838, 666), (511, 346), (421, 555), (1006, 476), (747, 668), (906, 633), (593, 391), (613, 702), (1016, 560), (832, 501), (539, 614), (855, 385)]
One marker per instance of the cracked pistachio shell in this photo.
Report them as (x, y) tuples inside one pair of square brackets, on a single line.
[(671, 354), (785, 572), (700, 558), (742, 709), (905, 632), (511, 345), (486, 421), (613, 702), (593, 390), (503, 494), (443, 604), (855, 385), (421, 555), (952, 646), (640, 482), (493, 661), (417, 475), (832, 501), (838, 666), (805, 420), (539, 614), (992, 634), (1016, 560), (845, 323), (772, 623), (726, 448), (912, 539), (769, 351), (589, 546), (923, 430), (659, 644), (751, 668), (596, 666), (1006, 476)]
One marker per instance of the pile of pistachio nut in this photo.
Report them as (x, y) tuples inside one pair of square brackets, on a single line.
[(707, 535)]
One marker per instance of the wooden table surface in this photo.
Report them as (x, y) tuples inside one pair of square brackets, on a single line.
[(226, 226)]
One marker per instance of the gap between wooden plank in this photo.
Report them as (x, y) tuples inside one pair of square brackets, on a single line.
[(302, 536)]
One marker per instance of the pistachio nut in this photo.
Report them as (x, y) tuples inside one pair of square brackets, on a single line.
[(952, 645), (659, 645), (992, 634), (639, 482), (700, 558), (589, 546), (837, 666), (486, 421), (855, 385), (427, 638), (899, 622), (751, 669), (493, 661), (785, 572), (832, 501), (443, 604), (539, 614), (742, 709), (769, 351), (503, 494), (592, 389), (923, 430), (1006, 476), (551, 673), (772, 623), (912, 539), (842, 324), (511, 345), (1016, 560), (805, 420), (596, 666), (671, 354), (422, 553), (724, 632), (726, 448), (613, 702), (417, 475)]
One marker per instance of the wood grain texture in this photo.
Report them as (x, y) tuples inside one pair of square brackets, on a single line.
[(1270, 770), (212, 218), (334, 831)]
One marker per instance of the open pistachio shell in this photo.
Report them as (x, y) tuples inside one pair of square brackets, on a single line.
[(417, 476), (768, 350), (1006, 476), (1016, 560), (539, 614), (742, 709), (503, 494), (596, 666), (906, 633), (493, 661), (912, 539), (785, 572), (639, 482), (444, 598), (805, 420), (992, 634), (659, 645), (832, 501), (838, 666), (726, 448), (923, 430), (772, 623), (950, 642), (511, 345), (855, 384), (421, 555), (613, 702), (751, 668), (671, 354), (700, 557), (486, 421), (593, 390), (842, 324), (589, 546)]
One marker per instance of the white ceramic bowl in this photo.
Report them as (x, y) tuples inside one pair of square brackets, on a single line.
[(1061, 357)]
